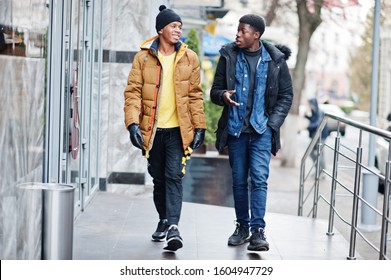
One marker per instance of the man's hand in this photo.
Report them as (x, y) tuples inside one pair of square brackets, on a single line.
[(135, 136), (227, 98), (199, 135)]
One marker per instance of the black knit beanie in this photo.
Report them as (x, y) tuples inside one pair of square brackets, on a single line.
[(165, 17), (255, 21)]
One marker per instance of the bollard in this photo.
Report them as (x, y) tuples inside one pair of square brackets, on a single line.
[(370, 183)]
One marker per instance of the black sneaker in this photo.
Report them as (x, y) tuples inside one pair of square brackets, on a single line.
[(161, 230), (258, 241), (174, 240), (239, 236)]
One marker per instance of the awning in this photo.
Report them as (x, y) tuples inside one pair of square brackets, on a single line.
[(212, 43)]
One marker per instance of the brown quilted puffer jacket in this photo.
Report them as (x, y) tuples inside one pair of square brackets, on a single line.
[(142, 94)]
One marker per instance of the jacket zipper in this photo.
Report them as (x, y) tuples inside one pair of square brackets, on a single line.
[(154, 108)]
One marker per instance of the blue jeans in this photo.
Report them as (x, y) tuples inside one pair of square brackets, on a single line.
[(165, 166), (249, 155)]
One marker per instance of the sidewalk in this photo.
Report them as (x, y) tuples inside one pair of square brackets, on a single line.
[(119, 227)]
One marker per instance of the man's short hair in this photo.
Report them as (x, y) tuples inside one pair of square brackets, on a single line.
[(257, 22)]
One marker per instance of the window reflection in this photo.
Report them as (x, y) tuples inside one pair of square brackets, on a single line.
[(23, 28), (19, 43), (11, 42)]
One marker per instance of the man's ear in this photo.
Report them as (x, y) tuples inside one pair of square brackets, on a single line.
[(160, 31)]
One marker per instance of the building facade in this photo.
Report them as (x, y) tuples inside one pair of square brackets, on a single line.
[(64, 69), (384, 100)]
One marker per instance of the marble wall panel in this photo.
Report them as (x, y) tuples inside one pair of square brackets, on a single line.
[(8, 239), (104, 119), (125, 25), (121, 156), (131, 24), (29, 14), (107, 28), (97, 27), (5, 12), (21, 135)]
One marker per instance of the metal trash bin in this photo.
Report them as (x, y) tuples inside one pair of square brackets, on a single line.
[(56, 214), (58, 205)]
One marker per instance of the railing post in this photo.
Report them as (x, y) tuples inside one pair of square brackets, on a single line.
[(334, 185), (386, 207), (301, 189), (317, 174), (356, 192)]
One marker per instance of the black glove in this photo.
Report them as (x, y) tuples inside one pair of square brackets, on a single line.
[(135, 136), (199, 135)]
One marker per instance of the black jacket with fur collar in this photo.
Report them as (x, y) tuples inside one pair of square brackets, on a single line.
[(278, 95)]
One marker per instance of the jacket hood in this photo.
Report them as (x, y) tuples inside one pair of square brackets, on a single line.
[(276, 51), (285, 50), (147, 44), (153, 43)]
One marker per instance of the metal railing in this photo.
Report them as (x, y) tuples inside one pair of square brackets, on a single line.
[(352, 187)]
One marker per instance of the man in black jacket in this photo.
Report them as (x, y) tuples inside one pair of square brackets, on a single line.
[(253, 83)]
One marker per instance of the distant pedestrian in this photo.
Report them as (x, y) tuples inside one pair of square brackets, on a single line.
[(314, 121), (253, 83), (164, 113)]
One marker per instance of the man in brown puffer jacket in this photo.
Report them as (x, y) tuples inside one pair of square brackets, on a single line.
[(164, 113)]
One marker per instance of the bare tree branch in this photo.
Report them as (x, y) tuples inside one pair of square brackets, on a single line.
[(271, 13), (309, 14)]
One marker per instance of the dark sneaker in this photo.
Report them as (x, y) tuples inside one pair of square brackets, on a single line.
[(239, 236), (161, 231), (174, 240), (258, 241)]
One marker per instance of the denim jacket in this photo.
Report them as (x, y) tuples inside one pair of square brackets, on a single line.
[(278, 91), (258, 118)]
